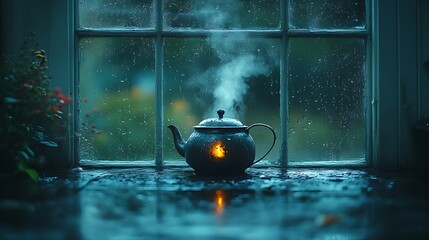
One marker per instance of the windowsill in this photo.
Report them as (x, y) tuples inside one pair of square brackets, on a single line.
[(360, 163), (128, 203)]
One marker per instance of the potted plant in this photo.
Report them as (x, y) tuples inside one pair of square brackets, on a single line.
[(32, 114)]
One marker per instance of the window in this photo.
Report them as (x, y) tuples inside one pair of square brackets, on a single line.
[(300, 66)]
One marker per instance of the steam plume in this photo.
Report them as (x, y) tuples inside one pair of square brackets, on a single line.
[(240, 60), (232, 83)]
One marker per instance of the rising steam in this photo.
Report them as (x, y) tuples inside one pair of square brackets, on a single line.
[(240, 60), (232, 85)]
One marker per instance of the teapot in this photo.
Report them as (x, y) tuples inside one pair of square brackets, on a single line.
[(219, 146)]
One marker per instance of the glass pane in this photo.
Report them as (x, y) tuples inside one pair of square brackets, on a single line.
[(117, 98), (327, 14), (222, 14), (233, 72), (327, 80), (116, 14)]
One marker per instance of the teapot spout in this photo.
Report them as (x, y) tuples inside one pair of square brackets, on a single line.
[(179, 142)]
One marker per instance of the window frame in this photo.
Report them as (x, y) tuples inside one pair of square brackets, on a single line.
[(284, 34)]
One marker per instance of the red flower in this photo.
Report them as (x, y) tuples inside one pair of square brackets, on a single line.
[(64, 98), (57, 90)]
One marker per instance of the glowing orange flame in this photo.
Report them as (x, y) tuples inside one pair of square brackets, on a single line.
[(218, 150)]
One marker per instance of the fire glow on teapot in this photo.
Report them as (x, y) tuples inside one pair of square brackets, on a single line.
[(217, 150), (219, 146)]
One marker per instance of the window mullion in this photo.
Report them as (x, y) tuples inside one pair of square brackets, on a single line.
[(85, 32), (353, 33), (370, 81), (173, 33), (159, 113), (74, 85), (74, 8), (284, 108), (274, 33)]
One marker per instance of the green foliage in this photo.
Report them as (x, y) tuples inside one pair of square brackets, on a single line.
[(121, 127), (31, 113)]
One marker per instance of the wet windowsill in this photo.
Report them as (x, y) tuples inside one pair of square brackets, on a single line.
[(268, 202)]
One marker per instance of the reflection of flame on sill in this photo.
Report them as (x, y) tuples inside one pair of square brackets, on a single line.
[(217, 150), (220, 202)]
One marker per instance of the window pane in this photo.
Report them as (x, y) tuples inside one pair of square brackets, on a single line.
[(236, 73), (116, 14), (326, 99), (222, 14), (327, 14), (117, 98)]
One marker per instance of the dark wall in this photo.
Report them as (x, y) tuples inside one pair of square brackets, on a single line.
[(19, 17), (51, 21)]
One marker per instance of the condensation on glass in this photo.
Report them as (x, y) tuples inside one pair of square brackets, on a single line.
[(233, 72), (128, 14), (327, 81), (117, 98), (327, 14), (221, 14)]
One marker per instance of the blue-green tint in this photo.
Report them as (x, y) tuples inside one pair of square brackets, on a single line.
[(220, 14), (327, 14), (117, 98), (116, 14), (327, 81), (233, 72)]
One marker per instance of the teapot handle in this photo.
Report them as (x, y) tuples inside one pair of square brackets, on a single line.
[(274, 139)]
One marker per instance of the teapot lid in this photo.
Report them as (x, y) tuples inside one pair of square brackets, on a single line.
[(220, 122)]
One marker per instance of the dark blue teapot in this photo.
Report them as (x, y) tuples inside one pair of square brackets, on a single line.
[(219, 146)]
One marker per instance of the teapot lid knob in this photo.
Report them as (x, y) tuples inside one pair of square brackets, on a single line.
[(220, 112)]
